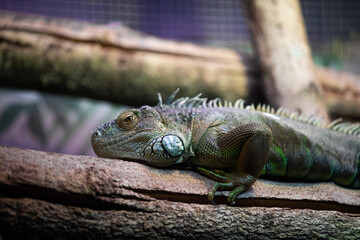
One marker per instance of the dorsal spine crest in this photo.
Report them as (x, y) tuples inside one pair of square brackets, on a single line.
[(197, 102)]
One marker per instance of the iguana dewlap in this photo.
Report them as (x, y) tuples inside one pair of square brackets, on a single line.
[(233, 144)]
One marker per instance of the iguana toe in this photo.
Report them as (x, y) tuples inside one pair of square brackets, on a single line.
[(234, 193)]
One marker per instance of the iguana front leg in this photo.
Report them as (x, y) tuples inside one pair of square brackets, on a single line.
[(254, 140)]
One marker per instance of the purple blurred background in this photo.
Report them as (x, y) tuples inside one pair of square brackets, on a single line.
[(333, 26)]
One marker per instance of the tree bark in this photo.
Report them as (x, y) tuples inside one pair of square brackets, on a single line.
[(55, 196), (111, 62), (341, 93), (280, 40), (123, 66)]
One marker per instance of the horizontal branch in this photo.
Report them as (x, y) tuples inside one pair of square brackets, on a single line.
[(116, 63), (341, 92), (111, 62), (49, 194)]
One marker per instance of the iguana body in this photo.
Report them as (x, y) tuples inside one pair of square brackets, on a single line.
[(233, 144)]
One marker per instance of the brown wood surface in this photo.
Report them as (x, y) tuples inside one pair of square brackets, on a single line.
[(55, 196), (111, 62), (100, 61), (282, 47), (341, 92)]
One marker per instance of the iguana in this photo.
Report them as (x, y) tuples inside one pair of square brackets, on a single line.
[(234, 144)]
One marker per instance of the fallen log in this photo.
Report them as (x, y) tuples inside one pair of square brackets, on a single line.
[(341, 92), (56, 196), (111, 62), (124, 66)]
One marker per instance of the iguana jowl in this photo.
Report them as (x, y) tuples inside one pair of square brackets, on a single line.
[(233, 144)]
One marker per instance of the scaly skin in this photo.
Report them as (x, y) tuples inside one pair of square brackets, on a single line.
[(233, 145)]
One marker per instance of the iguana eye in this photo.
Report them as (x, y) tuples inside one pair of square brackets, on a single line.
[(128, 120)]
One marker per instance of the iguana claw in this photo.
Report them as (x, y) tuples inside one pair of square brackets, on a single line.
[(226, 186), (228, 182)]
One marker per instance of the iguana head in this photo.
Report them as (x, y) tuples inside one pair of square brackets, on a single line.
[(144, 135)]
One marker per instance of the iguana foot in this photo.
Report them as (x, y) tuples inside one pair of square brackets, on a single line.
[(217, 175), (234, 187), (227, 181)]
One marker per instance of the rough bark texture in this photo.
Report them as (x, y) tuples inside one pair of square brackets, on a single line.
[(282, 47), (54, 196), (111, 62), (117, 64), (341, 92)]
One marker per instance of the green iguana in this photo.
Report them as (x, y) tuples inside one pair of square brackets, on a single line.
[(233, 144)]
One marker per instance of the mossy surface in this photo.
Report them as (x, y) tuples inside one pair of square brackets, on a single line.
[(86, 69)]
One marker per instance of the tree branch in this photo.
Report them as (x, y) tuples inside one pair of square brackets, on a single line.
[(282, 47), (117, 64), (49, 195), (107, 58)]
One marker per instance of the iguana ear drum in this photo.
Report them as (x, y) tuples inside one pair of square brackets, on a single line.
[(170, 144), (173, 145)]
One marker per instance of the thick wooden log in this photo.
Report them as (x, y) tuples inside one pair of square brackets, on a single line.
[(282, 47), (55, 196), (111, 62), (101, 61), (341, 92)]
